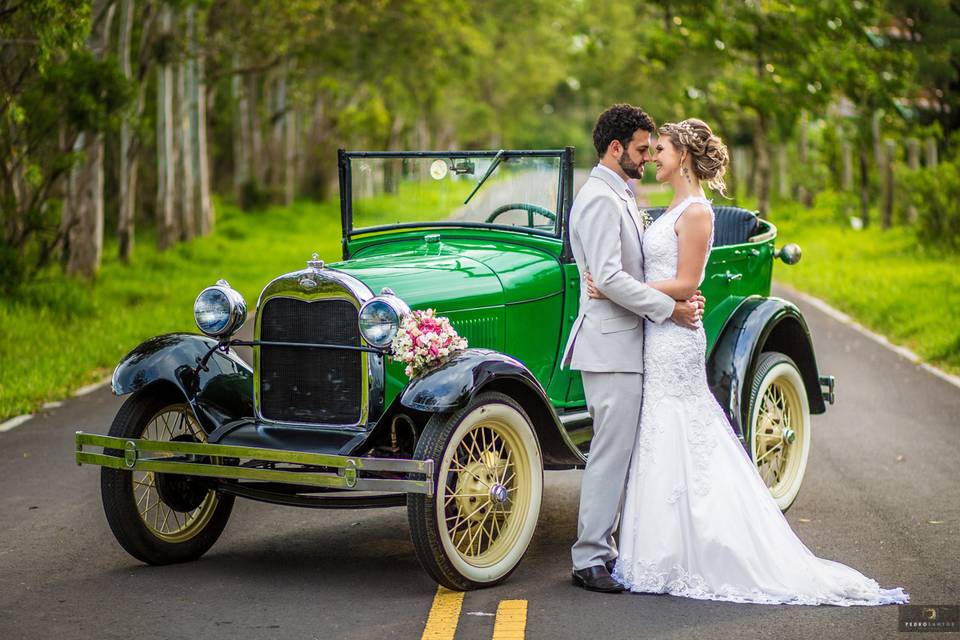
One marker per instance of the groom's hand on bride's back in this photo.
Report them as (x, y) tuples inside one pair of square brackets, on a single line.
[(686, 313)]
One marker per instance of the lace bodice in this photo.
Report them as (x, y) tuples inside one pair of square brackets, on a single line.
[(674, 356), (660, 244)]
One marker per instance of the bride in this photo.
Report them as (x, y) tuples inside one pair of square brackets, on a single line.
[(698, 521)]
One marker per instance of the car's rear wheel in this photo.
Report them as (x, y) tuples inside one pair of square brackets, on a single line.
[(477, 526), (779, 434), (161, 518)]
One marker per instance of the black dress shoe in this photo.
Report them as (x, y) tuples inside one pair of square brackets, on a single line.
[(609, 564), (596, 579)]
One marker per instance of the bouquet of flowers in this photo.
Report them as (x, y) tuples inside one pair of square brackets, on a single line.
[(425, 340)]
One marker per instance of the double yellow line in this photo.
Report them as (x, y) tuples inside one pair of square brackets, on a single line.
[(511, 622)]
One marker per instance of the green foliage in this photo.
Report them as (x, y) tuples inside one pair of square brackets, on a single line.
[(52, 90), (935, 195)]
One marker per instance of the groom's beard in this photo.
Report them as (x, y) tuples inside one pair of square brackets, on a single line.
[(632, 169)]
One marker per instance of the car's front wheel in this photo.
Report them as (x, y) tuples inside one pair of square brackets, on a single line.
[(161, 518), (779, 434), (477, 526)]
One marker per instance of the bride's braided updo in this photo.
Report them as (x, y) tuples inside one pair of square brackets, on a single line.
[(707, 151)]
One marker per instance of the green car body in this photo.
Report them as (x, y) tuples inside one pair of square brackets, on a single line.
[(515, 294)]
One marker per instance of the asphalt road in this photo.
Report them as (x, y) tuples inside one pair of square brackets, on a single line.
[(880, 494)]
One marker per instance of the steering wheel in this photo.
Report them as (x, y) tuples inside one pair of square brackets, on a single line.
[(523, 206)]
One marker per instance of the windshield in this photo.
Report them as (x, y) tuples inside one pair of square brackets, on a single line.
[(497, 188)]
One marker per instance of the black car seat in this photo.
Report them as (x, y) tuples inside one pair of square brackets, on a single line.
[(732, 225)]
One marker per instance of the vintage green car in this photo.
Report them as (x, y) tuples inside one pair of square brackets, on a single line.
[(324, 418)]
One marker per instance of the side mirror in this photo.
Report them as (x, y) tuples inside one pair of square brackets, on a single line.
[(789, 253)]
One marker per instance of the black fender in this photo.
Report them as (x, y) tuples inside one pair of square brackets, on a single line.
[(456, 382), (760, 324), (219, 393)]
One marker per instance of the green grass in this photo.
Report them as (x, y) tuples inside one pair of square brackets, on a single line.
[(887, 280), (60, 333)]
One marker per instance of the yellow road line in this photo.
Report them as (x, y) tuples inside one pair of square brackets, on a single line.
[(444, 615), (511, 621)]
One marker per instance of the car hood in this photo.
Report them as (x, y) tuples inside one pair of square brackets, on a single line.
[(455, 275)]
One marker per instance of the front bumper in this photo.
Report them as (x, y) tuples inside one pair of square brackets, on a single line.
[(253, 463)]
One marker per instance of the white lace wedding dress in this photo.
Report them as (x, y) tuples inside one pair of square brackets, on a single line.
[(698, 521)]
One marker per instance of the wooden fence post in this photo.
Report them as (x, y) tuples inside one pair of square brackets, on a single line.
[(846, 155), (931, 153), (804, 194), (783, 184), (913, 161), (889, 158)]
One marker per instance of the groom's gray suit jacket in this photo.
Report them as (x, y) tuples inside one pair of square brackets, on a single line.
[(605, 234)]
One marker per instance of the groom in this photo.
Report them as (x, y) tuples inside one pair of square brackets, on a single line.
[(606, 340)]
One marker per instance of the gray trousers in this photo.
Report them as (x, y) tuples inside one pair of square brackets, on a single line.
[(614, 401)]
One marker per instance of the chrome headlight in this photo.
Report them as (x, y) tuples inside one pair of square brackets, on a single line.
[(219, 310), (380, 318)]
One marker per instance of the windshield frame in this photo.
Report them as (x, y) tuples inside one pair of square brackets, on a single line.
[(564, 191)]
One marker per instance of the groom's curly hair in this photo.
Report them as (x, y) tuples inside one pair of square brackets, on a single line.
[(619, 122)]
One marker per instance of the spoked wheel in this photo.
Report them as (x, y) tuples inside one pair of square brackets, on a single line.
[(489, 481), (161, 518), (779, 426)]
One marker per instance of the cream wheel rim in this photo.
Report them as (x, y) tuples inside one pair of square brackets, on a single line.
[(489, 491), (781, 432), (163, 521)]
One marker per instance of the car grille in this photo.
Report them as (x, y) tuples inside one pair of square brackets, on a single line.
[(304, 384)]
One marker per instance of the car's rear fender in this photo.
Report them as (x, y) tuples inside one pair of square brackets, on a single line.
[(219, 392), (760, 324), (473, 371)]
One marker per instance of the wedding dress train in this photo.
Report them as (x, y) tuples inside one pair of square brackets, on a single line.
[(698, 521)]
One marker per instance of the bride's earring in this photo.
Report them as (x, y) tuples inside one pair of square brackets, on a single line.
[(685, 172)]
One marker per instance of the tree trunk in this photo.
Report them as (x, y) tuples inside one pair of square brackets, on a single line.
[(276, 99), (127, 159), (762, 170), (256, 134), (241, 137), (85, 233), (913, 161), (85, 239), (890, 158), (783, 184), (198, 129), (877, 142), (166, 228), (186, 209), (130, 139), (846, 155), (290, 157), (864, 187), (931, 153), (804, 194)]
